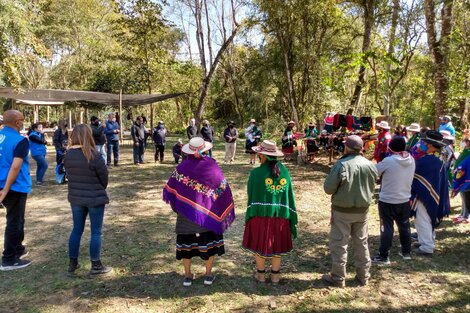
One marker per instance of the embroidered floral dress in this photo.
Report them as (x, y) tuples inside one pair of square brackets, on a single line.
[(271, 216)]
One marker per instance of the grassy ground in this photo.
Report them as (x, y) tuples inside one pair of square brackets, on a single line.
[(138, 241)]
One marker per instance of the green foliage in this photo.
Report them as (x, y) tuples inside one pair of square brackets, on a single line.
[(109, 45)]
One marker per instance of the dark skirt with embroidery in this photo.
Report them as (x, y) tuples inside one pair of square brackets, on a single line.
[(203, 245), (267, 236)]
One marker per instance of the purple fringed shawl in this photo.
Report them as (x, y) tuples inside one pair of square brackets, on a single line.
[(198, 190)]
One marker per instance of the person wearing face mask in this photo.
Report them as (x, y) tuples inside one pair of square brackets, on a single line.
[(60, 141), (253, 135), (138, 137), (230, 136), (207, 133), (288, 141), (38, 144), (191, 130), (429, 192), (112, 131), (15, 184), (382, 141), (98, 135), (396, 171)]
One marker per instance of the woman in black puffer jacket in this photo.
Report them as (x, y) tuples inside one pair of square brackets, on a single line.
[(88, 178)]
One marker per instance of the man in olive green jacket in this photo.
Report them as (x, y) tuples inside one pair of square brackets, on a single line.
[(351, 183)]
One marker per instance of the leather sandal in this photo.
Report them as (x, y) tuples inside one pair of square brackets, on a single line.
[(275, 282), (256, 276)]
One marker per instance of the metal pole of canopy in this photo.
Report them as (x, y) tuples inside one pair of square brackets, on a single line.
[(70, 119), (120, 115)]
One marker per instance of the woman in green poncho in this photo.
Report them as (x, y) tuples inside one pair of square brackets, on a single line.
[(271, 216)]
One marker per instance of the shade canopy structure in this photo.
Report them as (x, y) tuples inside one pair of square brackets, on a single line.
[(50, 97)]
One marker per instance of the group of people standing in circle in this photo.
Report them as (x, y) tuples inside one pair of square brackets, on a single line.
[(200, 195)]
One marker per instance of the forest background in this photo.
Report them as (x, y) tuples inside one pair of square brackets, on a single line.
[(235, 59)]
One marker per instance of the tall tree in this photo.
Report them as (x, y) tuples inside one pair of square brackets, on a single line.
[(147, 40), (369, 7), (439, 48), (216, 27)]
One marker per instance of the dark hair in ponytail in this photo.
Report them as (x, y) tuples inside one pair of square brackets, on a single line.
[(274, 166), (33, 128)]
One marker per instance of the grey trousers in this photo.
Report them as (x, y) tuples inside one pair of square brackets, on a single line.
[(343, 226)]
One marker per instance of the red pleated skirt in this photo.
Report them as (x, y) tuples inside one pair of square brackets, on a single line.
[(288, 150), (267, 236)]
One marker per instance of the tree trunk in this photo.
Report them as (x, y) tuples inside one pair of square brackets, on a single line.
[(206, 81), (286, 51), (439, 50), (391, 52), (368, 6), (464, 106)]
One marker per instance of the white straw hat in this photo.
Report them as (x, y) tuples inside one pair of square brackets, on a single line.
[(268, 147), (383, 124), (196, 144), (414, 127)]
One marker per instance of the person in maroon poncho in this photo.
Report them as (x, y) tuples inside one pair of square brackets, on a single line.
[(382, 141)]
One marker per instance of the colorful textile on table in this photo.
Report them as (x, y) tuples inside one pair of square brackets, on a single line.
[(430, 186), (198, 190), (461, 179), (276, 199)]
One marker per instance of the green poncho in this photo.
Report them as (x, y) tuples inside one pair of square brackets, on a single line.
[(412, 141), (271, 197)]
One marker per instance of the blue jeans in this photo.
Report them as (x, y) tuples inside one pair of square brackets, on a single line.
[(138, 152), (79, 214), (112, 147), (41, 168), (100, 149)]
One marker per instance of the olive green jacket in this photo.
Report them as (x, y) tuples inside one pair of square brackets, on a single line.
[(351, 184)]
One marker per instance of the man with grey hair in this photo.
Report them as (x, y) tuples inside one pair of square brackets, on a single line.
[(351, 184), (191, 130)]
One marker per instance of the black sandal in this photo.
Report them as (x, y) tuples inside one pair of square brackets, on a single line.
[(275, 273), (259, 272)]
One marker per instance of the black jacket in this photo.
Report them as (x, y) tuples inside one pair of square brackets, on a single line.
[(138, 132), (207, 133), (230, 132), (98, 134), (87, 181), (159, 135), (60, 140), (191, 131)]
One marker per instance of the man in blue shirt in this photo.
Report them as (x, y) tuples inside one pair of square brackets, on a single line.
[(15, 184), (446, 124), (112, 131)]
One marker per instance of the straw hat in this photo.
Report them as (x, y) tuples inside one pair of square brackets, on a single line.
[(196, 144), (447, 135), (291, 122), (414, 127), (268, 147), (383, 124), (252, 120)]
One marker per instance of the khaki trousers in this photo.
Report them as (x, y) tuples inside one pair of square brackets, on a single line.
[(230, 148), (343, 226)]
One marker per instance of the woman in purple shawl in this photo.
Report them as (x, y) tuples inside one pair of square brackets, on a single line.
[(198, 192)]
